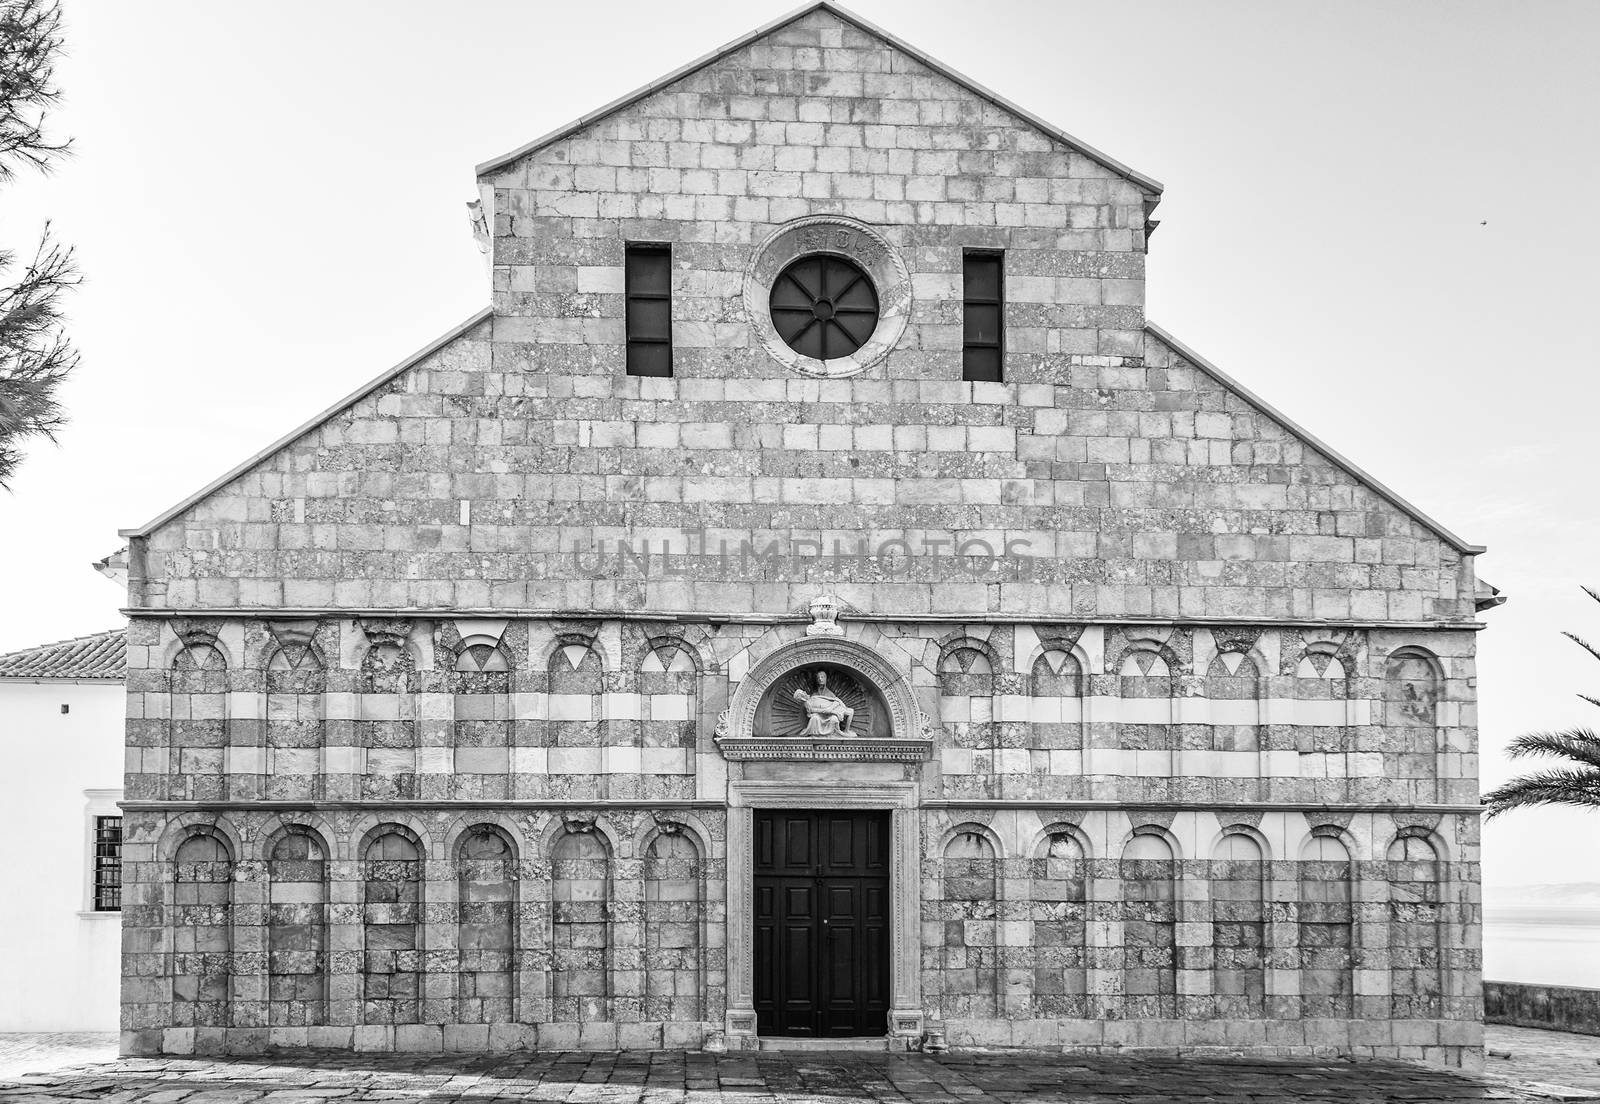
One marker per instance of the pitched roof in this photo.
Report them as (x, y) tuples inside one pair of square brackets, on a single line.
[(1151, 185), (1338, 459), (101, 656)]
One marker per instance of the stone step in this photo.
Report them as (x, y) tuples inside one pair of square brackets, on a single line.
[(879, 1043)]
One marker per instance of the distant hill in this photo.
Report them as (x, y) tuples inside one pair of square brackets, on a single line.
[(1562, 893)]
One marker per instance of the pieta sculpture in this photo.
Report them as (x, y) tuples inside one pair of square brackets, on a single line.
[(826, 715), (820, 702)]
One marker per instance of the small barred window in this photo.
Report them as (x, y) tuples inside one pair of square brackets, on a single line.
[(647, 281), (984, 306), (108, 864)]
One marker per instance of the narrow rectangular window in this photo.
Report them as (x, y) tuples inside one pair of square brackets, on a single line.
[(984, 307), (648, 287), (108, 864)]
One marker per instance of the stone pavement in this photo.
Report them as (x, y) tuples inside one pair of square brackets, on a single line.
[(1544, 1056), (53, 1050), (675, 1077)]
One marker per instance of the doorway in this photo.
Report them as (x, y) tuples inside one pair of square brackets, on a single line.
[(822, 922)]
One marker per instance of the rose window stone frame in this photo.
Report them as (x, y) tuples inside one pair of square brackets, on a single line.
[(857, 243)]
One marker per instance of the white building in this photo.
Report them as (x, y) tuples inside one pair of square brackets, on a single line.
[(61, 722)]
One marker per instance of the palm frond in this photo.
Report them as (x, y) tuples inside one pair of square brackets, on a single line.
[(1580, 788), (1582, 643), (1578, 744), (1577, 785)]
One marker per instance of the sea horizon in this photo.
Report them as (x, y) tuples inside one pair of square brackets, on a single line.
[(1542, 944)]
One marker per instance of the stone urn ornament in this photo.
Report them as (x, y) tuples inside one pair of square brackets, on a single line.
[(824, 610)]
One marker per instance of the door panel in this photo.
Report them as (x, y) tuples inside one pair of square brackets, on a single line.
[(798, 843), (822, 923), (797, 942), (841, 843), (875, 942)]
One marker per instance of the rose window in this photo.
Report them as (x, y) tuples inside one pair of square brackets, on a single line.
[(824, 306)]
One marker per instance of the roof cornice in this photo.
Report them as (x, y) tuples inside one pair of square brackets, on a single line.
[(1151, 186), (953, 617), (1338, 459)]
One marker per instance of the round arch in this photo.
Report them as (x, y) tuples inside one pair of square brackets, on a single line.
[(185, 825), (1250, 832), (388, 824), (195, 638), (1162, 833), (577, 824), (1341, 835), (1067, 647), (965, 642), (906, 721), (1039, 848), (1430, 836), (971, 828), (451, 835), (672, 822), (275, 829)]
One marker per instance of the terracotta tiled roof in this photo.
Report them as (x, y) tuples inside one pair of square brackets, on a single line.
[(101, 656)]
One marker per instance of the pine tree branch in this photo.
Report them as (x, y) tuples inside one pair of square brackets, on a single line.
[(35, 356), (30, 42)]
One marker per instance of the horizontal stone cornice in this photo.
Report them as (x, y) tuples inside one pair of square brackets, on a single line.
[(934, 803), (277, 613), (411, 805), (1205, 806)]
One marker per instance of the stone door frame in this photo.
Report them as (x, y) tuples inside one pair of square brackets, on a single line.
[(905, 831)]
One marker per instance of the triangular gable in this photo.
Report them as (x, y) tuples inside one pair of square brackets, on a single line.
[(309, 426), (1151, 186), (1334, 457)]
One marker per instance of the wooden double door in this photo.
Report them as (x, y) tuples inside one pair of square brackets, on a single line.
[(821, 922)]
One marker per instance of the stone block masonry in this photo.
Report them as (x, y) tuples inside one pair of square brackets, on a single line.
[(1071, 889), (1555, 1007), (1141, 485), (1143, 719)]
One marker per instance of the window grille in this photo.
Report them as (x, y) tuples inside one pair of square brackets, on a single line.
[(108, 864), (983, 300), (647, 284)]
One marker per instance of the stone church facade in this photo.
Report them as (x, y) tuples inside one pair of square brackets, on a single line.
[(689, 651)]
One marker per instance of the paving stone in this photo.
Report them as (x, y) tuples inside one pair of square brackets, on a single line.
[(664, 1077)]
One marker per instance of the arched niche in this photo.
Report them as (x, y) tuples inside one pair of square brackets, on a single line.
[(764, 721), (782, 713)]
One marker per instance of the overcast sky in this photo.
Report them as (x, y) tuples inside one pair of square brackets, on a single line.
[(1379, 216)]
